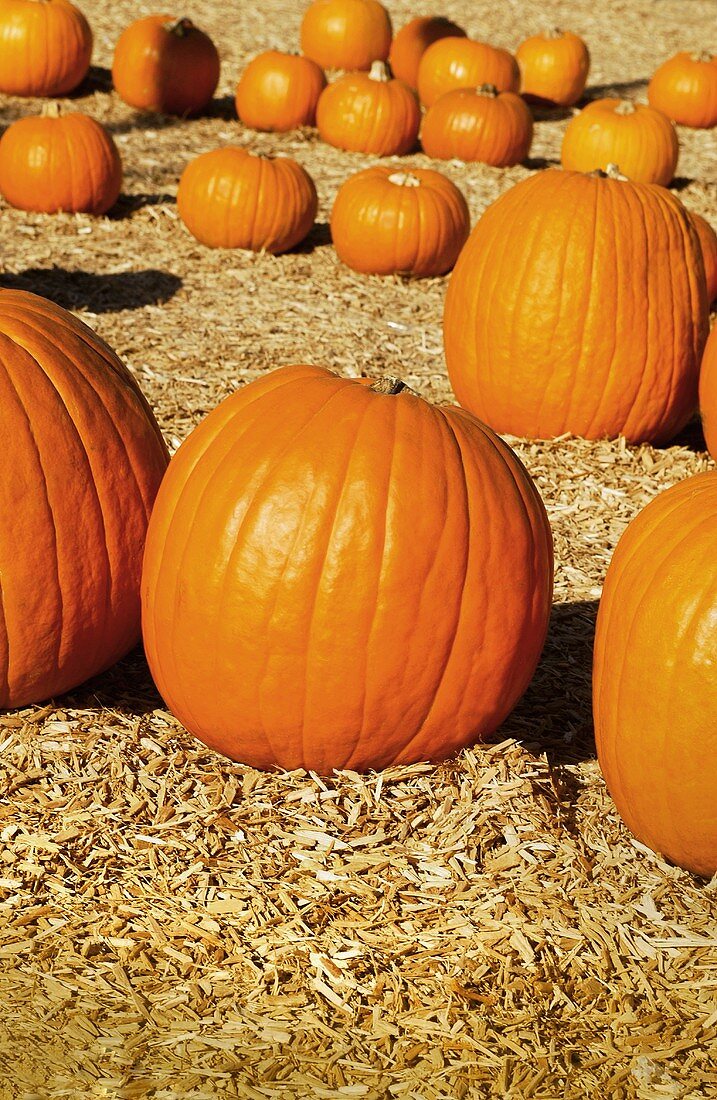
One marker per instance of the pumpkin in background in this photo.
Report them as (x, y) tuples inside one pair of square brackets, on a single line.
[(708, 242), (369, 113), (412, 41), (55, 161), (579, 305), (346, 34), (685, 89), (640, 139), (386, 221), (340, 576), (45, 48), (654, 682), (165, 64), (229, 198), (478, 124), (462, 63), (82, 461), (554, 68), (708, 393), (279, 91)]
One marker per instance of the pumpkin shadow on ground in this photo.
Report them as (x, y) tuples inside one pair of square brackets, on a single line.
[(98, 293), (98, 79), (127, 688), (318, 237), (537, 163), (615, 90), (691, 437), (126, 205)]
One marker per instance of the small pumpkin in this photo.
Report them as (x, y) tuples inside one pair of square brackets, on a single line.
[(639, 138), (59, 161), (369, 113), (654, 683), (279, 91), (229, 198), (346, 34), (685, 89), (412, 41), (165, 64), (708, 393), (708, 242), (386, 221), (554, 68), (478, 124), (45, 48), (463, 63)]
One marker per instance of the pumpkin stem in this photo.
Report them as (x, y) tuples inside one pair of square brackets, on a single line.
[(612, 172), (380, 71), (404, 179), (554, 32), (182, 27), (702, 55), (391, 386), (51, 109), (625, 107), (489, 90)]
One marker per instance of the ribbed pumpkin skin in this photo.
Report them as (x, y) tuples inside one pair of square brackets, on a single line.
[(462, 63), (337, 578), (708, 241), (385, 221), (279, 91), (66, 163), (346, 34), (553, 68), (45, 48), (708, 393), (366, 114), (640, 139), (76, 489), (654, 682), (541, 338), (685, 89), (470, 124), (412, 41), (229, 198), (165, 64)]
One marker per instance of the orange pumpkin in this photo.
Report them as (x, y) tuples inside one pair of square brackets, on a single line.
[(76, 489), (640, 139), (708, 393), (346, 34), (412, 41), (279, 91), (685, 89), (478, 124), (386, 221), (579, 305), (165, 64), (369, 113), (708, 242), (45, 48), (654, 683), (554, 68), (462, 63), (229, 198), (339, 576)]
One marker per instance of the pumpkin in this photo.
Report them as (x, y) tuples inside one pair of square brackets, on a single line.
[(385, 221), (685, 89), (369, 113), (578, 305), (165, 64), (708, 242), (279, 91), (229, 198), (554, 68), (478, 124), (462, 63), (341, 576), (45, 48), (83, 459), (346, 34), (55, 161), (412, 41), (708, 393), (639, 138), (654, 683)]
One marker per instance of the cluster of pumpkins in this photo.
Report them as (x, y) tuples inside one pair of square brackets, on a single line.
[(334, 573)]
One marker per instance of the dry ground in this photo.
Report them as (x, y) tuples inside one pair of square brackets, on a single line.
[(172, 925)]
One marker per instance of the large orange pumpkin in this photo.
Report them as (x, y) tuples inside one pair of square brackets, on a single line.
[(708, 241), (45, 48), (478, 124), (346, 34), (708, 393), (639, 138), (337, 577), (279, 91), (685, 89), (165, 64), (554, 68), (412, 41), (654, 682), (579, 304), (463, 63), (369, 113), (82, 460)]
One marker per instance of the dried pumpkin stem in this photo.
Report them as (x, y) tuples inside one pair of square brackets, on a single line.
[(489, 90), (612, 172), (181, 27), (404, 179), (625, 107), (380, 71), (51, 109), (391, 386), (554, 32), (701, 55)]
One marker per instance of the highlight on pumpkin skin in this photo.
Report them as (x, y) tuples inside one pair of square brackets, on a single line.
[(554, 68), (279, 91), (641, 139), (369, 113), (685, 89), (412, 41), (166, 64), (453, 63), (45, 48), (478, 124), (346, 34)]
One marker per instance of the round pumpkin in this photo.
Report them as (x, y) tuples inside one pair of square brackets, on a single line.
[(229, 198), (369, 113), (412, 41), (45, 48), (76, 489), (279, 91), (654, 683), (386, 221), (165, 64), (639, 138), (708, 393), (708, 242), (339, 576), (55, 161), (346, 34), (554, 68), (572, 309), (478, 124), (462, 63), (685, 89)]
